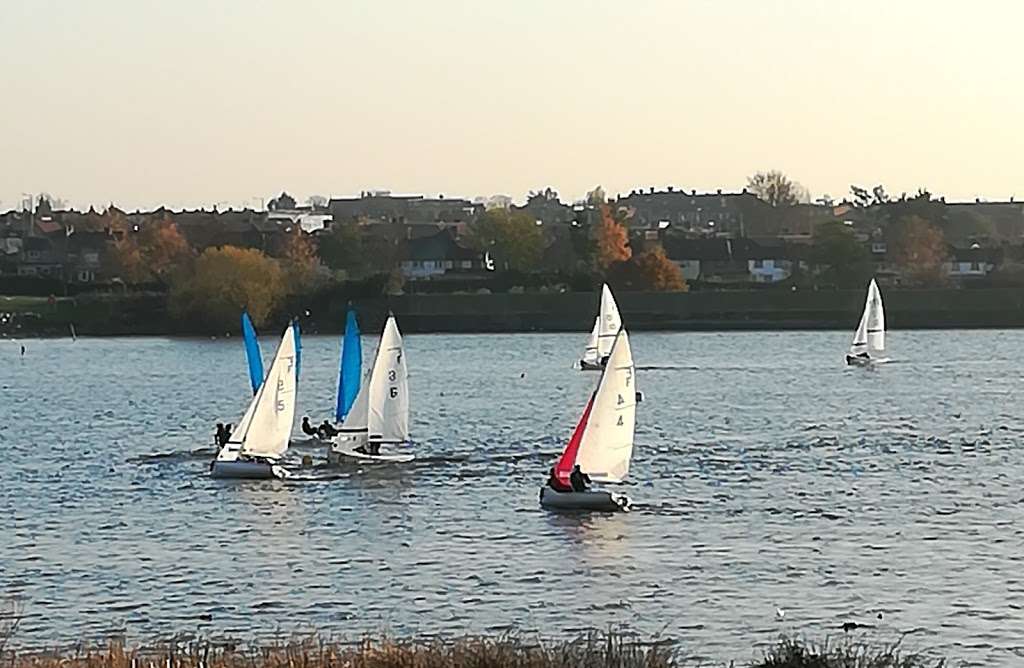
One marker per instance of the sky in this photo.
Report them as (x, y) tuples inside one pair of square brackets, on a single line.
[(187, 103)]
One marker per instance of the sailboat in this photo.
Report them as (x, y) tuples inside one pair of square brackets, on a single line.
[(380, 412), (602, 443), (349, 367), (868, 345), (252, 352), (606, 327), (257, 444)]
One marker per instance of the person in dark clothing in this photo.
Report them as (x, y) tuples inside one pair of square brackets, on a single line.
[(307, 428), (327, 431), (555, 483), (218, 438), (578, 479), (859, 357), (227, 432)]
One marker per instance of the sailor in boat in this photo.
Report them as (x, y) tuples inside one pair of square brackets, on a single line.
[(369, 448), (859, 358), (227, 434), (219, 439), (307, 428), (326, 431), (578, 479), (555, 483)]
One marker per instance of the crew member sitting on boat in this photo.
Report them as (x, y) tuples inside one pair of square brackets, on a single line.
[(862, 357), (555, 483), (326, 430), (578, 479), (219, 439), (369, 448), (307, 428)]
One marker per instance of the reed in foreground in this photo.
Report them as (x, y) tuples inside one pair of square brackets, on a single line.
[(594, 650)]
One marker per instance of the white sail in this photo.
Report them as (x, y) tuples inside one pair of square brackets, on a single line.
[(610, 322), (590, 352), (607, 442), (381, 408), (870, 335), (272, 412), (389, 389)]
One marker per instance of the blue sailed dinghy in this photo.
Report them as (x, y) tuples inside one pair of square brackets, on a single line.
[(350, 367), (252, 352)]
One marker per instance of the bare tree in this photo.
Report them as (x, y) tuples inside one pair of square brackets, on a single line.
[(777, 189)]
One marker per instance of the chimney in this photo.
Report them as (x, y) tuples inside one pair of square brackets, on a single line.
[(671, 188), (652, 190), (719, 191)]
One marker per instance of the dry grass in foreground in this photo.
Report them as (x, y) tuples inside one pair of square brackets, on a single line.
[(595, 650)]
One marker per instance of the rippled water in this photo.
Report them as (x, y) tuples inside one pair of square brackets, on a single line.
[(766, 475)]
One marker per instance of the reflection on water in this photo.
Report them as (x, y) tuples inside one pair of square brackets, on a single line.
[(766, 476)]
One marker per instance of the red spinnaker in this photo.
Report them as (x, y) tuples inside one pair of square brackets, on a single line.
[(565, 464)]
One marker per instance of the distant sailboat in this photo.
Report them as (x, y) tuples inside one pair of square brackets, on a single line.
[(379, 415), (606, 327), (257, 444), (868, 345), (349, 367), (602, 444), (252, 352)]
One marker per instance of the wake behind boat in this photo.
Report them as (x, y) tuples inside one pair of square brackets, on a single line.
[(255, 448), (380, 413), (606, 327), (602, 444), (868, 347)]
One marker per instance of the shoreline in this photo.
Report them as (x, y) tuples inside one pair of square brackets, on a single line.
[(511, 313), (510, 649)]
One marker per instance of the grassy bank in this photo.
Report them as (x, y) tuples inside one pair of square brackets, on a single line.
[(594, 650)]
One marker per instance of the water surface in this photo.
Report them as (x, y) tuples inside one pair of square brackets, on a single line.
[(766, 475)]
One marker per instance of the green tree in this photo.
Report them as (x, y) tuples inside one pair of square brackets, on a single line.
[(777, 189), (342, 249), (846, 262), (224, 281), (513, 239)]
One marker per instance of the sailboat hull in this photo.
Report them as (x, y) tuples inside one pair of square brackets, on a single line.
[(247, 470), (337, 456), (590, 366), (592, 500)]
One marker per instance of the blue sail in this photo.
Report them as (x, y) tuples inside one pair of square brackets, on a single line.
[(252, 352), (351, 367), (298, 347)]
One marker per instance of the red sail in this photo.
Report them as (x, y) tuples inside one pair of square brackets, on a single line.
[(568, 460)]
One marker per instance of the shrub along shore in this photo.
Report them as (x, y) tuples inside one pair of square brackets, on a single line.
[(148, 314), (593, 650)]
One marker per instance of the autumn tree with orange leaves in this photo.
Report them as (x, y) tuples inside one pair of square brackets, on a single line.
[(299, 260), (611, 241), (659, 273), (154, 253), (920, 249)]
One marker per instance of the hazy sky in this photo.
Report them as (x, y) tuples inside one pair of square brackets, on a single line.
[(190, 102)]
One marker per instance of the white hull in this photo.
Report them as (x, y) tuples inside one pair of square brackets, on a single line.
[(247, 470), (339, 456), (597, 500), (590, 366)]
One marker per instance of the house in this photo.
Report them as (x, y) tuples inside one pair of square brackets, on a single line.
[(730, 261), (692, 211), (439, 254), (382, 205), (972, 263), (41, 258), (83, 260)]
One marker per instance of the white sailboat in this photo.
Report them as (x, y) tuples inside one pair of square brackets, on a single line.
[(380, 414), (260, 440), (606, 327), (868, 345), (602, 444)]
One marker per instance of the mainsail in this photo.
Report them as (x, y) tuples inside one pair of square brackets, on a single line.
[(590, 352), (349, 368), (610, 323), (606, 445), (252, 352), (267, 424), (381, 407), (298, 347), (870, 335)]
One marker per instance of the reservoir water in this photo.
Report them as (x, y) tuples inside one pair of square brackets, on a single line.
[(766, 476)]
